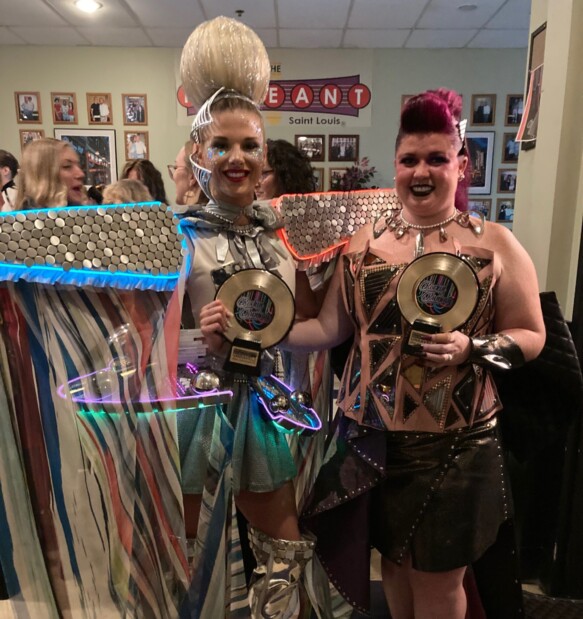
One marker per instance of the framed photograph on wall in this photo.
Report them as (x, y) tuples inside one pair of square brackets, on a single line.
[(28, 108), (481, 205), (506, 181), (505, 210), (96, 150), (528, 129), (311, 145), (483, 109), (481, 152), (135, 109), (336, 176), (343, 148), (99, 108), (514, 110), (319, 176), (64, 106), (30, 135), (136, 144), (510, 148)]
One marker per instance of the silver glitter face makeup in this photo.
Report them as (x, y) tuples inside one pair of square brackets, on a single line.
[(233, 152)]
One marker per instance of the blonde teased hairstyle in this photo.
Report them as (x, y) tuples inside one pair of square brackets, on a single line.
[(39, 184), (126, 191), (224, 53)]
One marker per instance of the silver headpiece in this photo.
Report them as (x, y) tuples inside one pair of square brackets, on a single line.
[(202, 119)]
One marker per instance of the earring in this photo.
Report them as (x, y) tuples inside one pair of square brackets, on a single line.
[(461, 176)]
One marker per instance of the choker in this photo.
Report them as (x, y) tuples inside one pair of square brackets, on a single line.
[(399, 225)]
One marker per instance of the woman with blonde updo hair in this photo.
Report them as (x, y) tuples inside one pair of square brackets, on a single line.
[(225, 72), (50, 175), (126, 191)]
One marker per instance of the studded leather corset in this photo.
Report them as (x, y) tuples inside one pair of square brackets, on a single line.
[(384, 389)]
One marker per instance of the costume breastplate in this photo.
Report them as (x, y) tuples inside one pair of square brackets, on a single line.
[(385, 389)]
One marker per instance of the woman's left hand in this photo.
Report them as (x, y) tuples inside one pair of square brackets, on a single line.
[(441, 349)]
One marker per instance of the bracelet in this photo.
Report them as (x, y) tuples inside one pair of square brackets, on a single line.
[(497, 350)]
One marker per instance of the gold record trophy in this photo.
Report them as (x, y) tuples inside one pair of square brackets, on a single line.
[(437, 292), (263, 311)]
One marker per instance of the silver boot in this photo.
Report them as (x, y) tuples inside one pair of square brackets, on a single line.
[(276, 591)]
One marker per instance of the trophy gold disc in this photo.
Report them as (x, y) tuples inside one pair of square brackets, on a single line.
[(439, 290), (263, 311)]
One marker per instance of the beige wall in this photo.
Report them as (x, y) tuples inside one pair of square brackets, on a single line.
[(550, 177), (151, 71)]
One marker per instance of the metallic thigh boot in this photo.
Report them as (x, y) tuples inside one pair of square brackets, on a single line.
[(276, 591)]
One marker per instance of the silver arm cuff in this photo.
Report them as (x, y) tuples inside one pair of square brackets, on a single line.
[(496, 350)]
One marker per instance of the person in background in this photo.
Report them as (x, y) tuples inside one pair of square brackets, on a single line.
[(287, 171), (95, 194), (188, 192), (8, 170), (144, 170), (126, 191), (50, 175)]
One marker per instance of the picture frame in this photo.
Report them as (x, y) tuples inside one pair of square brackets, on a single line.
[(28, 107), (137, 145), (319, 176), (313, 146), (336, 176), (514, 110), (30, 135), (343, 147), (481, 153), (64, 108), (510, 148), (528, 130), (507, 180), (505, 210), (483, 109), (135, 109), (97, 153), (481, 205), (99, 108)]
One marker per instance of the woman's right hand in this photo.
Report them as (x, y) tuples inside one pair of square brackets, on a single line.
[(214, 321)]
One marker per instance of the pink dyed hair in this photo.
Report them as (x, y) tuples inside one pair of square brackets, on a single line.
[(437, 111)]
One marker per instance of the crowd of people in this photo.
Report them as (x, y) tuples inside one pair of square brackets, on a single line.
[(413, 465)]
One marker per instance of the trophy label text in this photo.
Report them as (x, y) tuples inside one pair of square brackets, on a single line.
[(244, 356)]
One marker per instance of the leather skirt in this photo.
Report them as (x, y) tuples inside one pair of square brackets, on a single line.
[(443, 497)]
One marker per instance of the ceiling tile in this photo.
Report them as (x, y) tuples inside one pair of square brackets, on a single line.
[(312, 14), (268, 36), (116, 37), (500, 38), (514, 14), (168, 13), (51, 36), (310, 38), (390, 14), (9, 38), (440, 38), (444, 13), (169, 37), (111, 14), (28, 13), (257, 13), (375, 38)]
